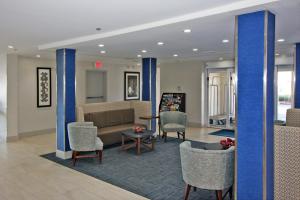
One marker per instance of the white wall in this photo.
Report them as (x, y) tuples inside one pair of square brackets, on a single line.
[(184, 77), (3, 82), (12, 96), (32, 118)]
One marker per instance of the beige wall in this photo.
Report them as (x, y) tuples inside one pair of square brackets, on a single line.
[(184, 77), (31, 118)]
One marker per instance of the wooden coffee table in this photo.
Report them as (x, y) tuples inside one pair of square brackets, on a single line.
[(139, 140)]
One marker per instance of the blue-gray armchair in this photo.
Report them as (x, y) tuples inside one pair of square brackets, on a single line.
[(173, 121), (207, 169), (83, 138)]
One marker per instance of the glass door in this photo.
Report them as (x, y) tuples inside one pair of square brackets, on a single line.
[(221, 98), (283, 94)]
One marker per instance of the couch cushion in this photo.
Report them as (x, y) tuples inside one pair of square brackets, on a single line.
[(99, 119), (172, 127)]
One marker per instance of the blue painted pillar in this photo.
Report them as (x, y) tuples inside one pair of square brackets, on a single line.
[(255, 105), (297, 76), (65, 77), (149, 85)]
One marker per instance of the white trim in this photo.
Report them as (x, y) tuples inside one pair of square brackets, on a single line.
[(182, 18), (63, 154)]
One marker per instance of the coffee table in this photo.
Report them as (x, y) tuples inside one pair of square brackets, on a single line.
[(139, 140)]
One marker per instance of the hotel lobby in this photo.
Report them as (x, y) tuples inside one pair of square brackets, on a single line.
[(150, 100)]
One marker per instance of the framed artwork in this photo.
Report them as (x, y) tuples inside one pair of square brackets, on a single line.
[(131, 86), (43, 87)]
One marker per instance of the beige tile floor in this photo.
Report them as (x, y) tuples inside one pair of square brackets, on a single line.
[(25, 175)]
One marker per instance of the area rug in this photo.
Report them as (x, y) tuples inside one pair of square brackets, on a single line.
[(224, 133), (153, 174)]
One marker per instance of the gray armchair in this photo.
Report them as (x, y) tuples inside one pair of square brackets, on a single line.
[(287, 157), (207, 169), (173, 121), (83, 138)]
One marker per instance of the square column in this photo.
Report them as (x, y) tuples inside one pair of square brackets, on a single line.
[(66, 101), (149, 86), (255, 43), (297, 76)]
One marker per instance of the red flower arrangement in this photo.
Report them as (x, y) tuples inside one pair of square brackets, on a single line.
[(138, 129), (227, 143)]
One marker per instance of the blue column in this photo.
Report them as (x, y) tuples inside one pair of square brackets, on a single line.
[(297, 76), (149, 86), (65, 77), (255, 105)]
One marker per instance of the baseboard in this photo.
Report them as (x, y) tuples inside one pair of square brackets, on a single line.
[(12, 138), (194, 124), (33, 133), (63, 154)]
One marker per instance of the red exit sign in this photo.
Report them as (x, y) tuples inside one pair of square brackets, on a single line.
[(98, 64)]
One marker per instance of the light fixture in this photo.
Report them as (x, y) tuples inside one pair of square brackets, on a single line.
[(187, 30), (225, 41), (103, 52), (160, 43), (38, 56), (277, 54), (98, 29), (138, 64), (101, 45), (10, 46), (144, 51), (195, 49), (221, 58), (139, 56), (175, 55), (281, 40)]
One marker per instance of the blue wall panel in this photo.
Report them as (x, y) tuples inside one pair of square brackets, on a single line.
[(297, 75), (250, 103), (149, 85), (66, 99)]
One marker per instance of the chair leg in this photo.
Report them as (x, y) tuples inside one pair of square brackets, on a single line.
[(74, 154), (165, 136), (230, 192), (219, 194), (187, 191), (100, 156), (195, 189), (178, 135)]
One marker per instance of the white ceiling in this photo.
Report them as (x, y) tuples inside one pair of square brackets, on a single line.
[(71, 23)]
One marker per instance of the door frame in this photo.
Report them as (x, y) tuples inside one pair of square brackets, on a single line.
[(208, 70)]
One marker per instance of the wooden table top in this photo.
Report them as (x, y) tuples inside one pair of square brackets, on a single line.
[(149, 117)]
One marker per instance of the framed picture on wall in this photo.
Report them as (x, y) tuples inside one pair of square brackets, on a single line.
[(131, 86), (43, 87)]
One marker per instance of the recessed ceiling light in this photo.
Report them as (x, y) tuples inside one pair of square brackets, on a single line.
[(10, 46), (175, 55), (277, 54), (195, 49), (221, 58), (103, 52), (101, 45), (160, 43), (144, 51), (38, 56), (138, 64), (139, 56), (281, 40), (187, 30), (225, 41)]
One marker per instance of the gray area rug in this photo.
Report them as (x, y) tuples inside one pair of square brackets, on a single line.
[(153, 174)]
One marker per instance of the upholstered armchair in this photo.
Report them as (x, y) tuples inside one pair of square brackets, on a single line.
[(173, 121), (83, 138), (207, 169), (287, 157)]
